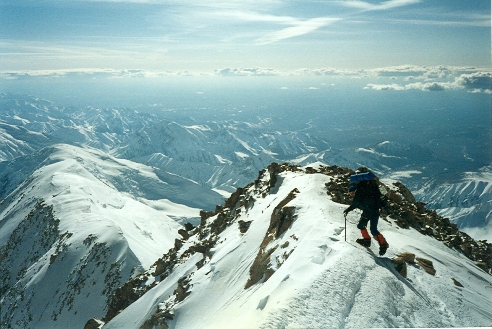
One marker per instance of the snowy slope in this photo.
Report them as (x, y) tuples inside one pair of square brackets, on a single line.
[(292, 268), (468, 202), (70, 233)]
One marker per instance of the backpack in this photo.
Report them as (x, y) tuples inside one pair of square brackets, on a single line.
[(369, 196), (383, 199)]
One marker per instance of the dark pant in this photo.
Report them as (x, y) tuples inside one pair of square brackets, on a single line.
[(373, 219)]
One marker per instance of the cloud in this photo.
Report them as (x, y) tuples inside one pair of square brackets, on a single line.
[(429, 86), (299, 28), (477, 80), (399, 78), (257, 71), (90, 73), (392, 86), (328, 71), (401, 70), (385, 5), (414, 72), (280, 26)]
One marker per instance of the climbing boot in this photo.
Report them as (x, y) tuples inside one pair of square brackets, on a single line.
[(383, 245), (382, 248), (364, 242)]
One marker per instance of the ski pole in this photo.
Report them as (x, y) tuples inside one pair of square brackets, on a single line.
[(345, 215)]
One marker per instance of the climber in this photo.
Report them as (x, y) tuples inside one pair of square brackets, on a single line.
[(368, 198), (351, 190)]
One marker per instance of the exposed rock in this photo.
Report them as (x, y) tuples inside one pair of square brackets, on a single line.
[(401, 261), (400, 266), (280, 221), (311, 170), (457, 283), (178, 244), (188, 226), (427, 265), (395, 196), (482, 265), (165, 310), (260, 270), (157, 320), (405, 192), (132, 290), (181, 291), (244, 226), (124, 296), (234, 198), (184, 234), (408, 257), (53, 258), (94, 323)]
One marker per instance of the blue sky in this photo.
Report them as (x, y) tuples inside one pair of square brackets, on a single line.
[(269, 36)]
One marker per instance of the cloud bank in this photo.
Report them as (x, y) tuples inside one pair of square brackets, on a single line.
[(437, 79), (405, 77)]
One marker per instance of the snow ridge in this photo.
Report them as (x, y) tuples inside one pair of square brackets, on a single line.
[(274, 257), (71, 234)]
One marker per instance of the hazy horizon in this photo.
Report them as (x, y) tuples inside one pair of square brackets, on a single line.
[(356, 72)]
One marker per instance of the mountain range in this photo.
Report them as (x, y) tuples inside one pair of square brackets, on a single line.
[(96, 199), (224, 149)]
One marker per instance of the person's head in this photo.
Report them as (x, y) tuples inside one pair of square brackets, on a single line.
[(351, 190)]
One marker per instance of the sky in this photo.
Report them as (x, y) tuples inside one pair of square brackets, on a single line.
[(130, 52), (266, 37)]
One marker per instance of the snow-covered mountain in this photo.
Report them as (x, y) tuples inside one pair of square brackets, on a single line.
[(468, 202), (100, 209), (221, 153), (275, 256), (71, 232)]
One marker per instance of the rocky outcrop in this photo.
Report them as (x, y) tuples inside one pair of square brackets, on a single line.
[(39, 231), (244, 226), (427, 265), (400, 262), (280, 221), (402, 208), (405, 192), (457, 283), (409, 213), (94, 324), (201, 240)]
